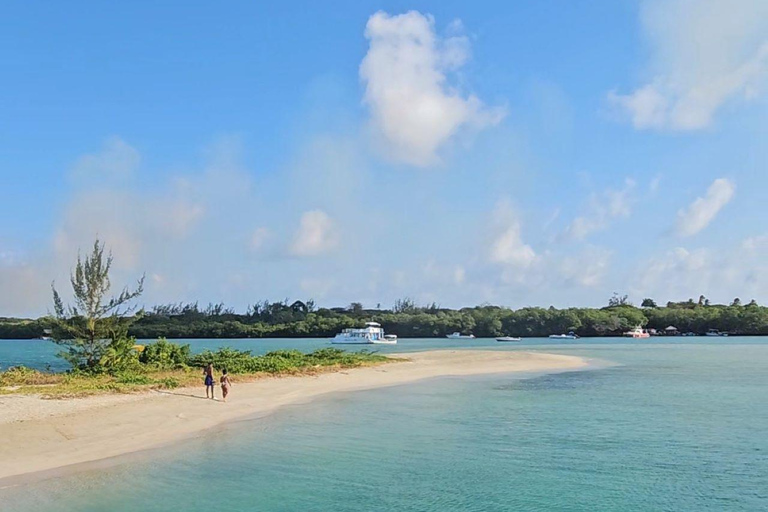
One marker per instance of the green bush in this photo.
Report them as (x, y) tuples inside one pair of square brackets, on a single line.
[(133, 378), (279, 361), (165, 355)]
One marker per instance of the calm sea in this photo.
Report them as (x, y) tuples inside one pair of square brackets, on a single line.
[(669, 427)]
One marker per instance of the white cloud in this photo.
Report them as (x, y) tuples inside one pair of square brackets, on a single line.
[(721, 273), (705, 54), (317, 234), (704, 209), (508, 247), (116, 160), (586, 269), (413, 107), (603, 209)]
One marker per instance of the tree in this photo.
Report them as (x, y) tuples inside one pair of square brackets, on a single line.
[(648, 303), (94, 331), (618, 300), (736, 302)]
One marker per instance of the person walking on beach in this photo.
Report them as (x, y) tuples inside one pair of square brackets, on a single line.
[(209, 386), (225, 383)]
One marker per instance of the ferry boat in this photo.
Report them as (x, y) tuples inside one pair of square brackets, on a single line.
[(371, 334), (509, 338), (570, 336), (459, 336), (637, 332)]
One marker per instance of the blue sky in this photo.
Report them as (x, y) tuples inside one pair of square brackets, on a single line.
[(519, 153)]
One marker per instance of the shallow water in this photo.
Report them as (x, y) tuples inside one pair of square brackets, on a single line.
[(674, 427)]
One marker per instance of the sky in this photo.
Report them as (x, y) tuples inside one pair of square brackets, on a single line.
[(514, 153)]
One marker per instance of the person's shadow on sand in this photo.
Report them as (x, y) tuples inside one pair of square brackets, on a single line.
[(164, 392)]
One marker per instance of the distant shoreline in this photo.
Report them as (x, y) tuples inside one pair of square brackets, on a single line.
[(44, 435), (408, 320)]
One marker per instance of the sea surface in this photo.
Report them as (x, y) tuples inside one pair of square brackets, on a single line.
[(667, 425)]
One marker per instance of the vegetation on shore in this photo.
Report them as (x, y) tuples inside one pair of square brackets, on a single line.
[(94, 334), (302, 319), (166, 365)]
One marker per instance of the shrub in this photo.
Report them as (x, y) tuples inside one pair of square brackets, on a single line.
[(23, 376), (133, 378), (165, 355)]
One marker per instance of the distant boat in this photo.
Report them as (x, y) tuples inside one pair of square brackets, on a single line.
[(689, 334), (715, 332), (570, 336), (637, 332), (509, 338), (459, 336), (371, 334)]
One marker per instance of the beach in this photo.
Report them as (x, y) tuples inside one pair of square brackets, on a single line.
[(42, 435)]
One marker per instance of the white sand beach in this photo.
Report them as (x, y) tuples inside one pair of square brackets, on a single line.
[(40, 435)]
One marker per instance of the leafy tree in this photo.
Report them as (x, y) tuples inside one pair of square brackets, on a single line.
[(736, 302), (648, 303), (94, 331), (619, 300)]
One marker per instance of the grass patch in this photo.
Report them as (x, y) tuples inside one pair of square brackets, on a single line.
[(241, 365)]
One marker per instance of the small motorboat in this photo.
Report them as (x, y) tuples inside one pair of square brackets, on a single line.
[(459, 336), (570, 336), (509, 338), (637, 332)]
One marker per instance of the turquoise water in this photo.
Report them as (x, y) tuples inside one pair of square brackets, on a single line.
[(677, 427), (41, 354)]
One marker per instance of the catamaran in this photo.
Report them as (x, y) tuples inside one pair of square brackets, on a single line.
[(372, 333)]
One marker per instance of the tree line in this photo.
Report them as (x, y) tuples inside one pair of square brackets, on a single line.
[(284, 319)]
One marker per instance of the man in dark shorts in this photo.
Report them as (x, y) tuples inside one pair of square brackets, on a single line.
[(209, 384)]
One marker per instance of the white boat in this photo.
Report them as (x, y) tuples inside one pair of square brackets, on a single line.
[(371, 334), (509, 338), (570, 336), (459, 336), (637, 332)]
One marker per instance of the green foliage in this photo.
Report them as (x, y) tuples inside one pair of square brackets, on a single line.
[(94, 331), (165, 355), (407, 320), (279, 361)]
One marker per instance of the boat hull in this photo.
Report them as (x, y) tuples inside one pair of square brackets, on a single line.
[(506, 339), (363, 342)]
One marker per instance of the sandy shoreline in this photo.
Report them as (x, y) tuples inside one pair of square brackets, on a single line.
[(40, 435)]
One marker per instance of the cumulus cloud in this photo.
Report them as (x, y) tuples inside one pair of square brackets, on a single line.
[(508, 247), (317, 234), (603, 209), (705, 54), (704, 209), (721, 273), (413, 107)]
